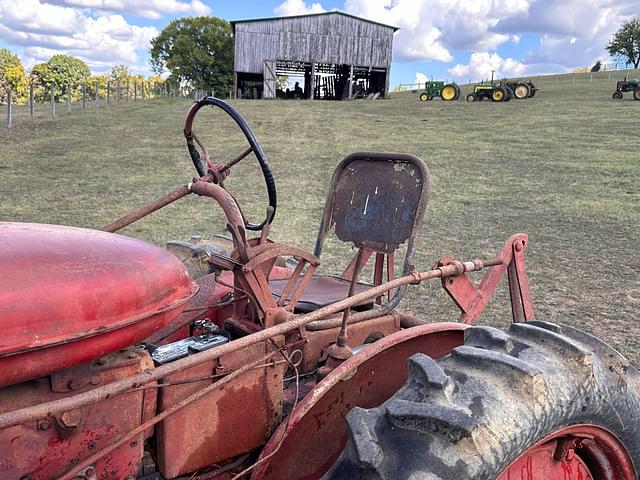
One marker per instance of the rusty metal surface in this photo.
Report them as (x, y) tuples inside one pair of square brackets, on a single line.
[(578, 452), (472, 299), (217, 426), (47, 447), (321, 291), (376, 200), (293, 322), (147, 209), (318, 341), (87, 294), (311, 439)]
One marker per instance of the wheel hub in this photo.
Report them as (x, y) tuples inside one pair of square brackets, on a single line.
[(584, 452)]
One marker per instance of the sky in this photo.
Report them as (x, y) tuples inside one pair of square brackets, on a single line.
[(462, 40)]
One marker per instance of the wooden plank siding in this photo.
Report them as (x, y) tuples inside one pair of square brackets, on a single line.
[(332, 38)]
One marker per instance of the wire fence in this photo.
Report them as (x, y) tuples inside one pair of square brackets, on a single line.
[(41, 101)]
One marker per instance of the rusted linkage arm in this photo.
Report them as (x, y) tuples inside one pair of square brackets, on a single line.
[(292, 322)]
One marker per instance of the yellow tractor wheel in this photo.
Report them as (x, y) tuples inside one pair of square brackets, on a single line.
[(449, 93), (497, 95)]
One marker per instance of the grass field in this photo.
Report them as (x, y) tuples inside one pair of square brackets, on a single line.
[(563, 167)]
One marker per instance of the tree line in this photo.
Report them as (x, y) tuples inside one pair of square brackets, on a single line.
[(62, 72)]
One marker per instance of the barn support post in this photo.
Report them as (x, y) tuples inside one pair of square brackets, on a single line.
[(386, 82), (350, 82), (235, 85), (313, 80)]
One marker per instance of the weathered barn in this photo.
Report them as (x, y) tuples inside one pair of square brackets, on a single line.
[(333, 54)]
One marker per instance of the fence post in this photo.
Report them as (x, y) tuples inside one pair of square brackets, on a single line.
[(68, 98), (53, 102), (31, 107), (135, 90), (108, 92), (118, 90), (142, 90), (127, 89), (9, 112), (84, 97), (97, 91)]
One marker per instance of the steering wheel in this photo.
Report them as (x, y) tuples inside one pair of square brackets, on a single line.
[(219, 172)]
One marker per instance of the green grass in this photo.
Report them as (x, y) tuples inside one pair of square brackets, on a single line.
[(563, 167)]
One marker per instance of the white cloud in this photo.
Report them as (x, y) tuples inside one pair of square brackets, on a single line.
[(297, 7), (482, 63), (101, 41), (154, 9), (434, 29), (421, 78)]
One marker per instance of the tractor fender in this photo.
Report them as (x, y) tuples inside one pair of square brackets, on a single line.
[(309, 441)]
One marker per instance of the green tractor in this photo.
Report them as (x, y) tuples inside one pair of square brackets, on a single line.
[(627, 86), (447, 92), (494, 92)]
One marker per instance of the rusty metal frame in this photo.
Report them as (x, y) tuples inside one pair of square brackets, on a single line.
[(326, 223), (472, 299)]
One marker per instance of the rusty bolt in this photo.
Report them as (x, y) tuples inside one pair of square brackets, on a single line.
[(91, 445), (44, 425), (75, 384), (134, 443), (519, 246), (71, 418)]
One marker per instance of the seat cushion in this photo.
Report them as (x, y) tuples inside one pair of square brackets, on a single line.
[(322, 291)]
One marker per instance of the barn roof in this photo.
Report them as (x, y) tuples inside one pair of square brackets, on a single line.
[(332, 12)]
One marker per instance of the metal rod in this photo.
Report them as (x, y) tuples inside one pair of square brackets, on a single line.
[(147, 209), (231, 163), (162, 415), (292, 323), (341, 341)]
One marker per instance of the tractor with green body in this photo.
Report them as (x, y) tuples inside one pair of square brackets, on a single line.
[(625, 86), (438, 89)]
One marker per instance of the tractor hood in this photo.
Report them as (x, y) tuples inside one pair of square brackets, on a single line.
[(70, 295)]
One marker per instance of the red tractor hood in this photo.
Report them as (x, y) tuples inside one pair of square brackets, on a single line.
[(69, 295)]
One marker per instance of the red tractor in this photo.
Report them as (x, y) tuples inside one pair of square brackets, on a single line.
[(116, 363)]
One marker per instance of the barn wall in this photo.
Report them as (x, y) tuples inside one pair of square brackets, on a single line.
[(334, 39)]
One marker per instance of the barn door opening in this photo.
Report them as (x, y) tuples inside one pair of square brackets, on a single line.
[(269, 75)]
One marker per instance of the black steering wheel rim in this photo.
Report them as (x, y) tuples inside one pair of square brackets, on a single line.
[(202, 169)]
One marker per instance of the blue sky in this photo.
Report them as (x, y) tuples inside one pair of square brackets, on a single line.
[(444, 39)]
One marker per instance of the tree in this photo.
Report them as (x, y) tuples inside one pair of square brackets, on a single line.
[(12, 76), (60, 71), (626, 42), (196, 50)]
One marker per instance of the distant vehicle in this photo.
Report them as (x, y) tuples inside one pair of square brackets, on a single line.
[(447, 92), (625, 86)]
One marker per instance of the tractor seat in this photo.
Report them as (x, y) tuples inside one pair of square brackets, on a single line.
[(322, 291)]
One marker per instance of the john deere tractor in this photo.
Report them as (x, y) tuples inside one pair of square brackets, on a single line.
[(627, 86), (495, 92), (447, 92)]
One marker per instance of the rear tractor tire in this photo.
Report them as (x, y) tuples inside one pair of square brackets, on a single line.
[(618, 95), (450, 92), (521, 91), (499, 94), (536, 402), (425, 97)]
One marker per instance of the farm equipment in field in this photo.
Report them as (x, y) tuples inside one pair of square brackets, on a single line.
[(495, 93), (625, 86), (438, 89), (521, 90), (115, 363)]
